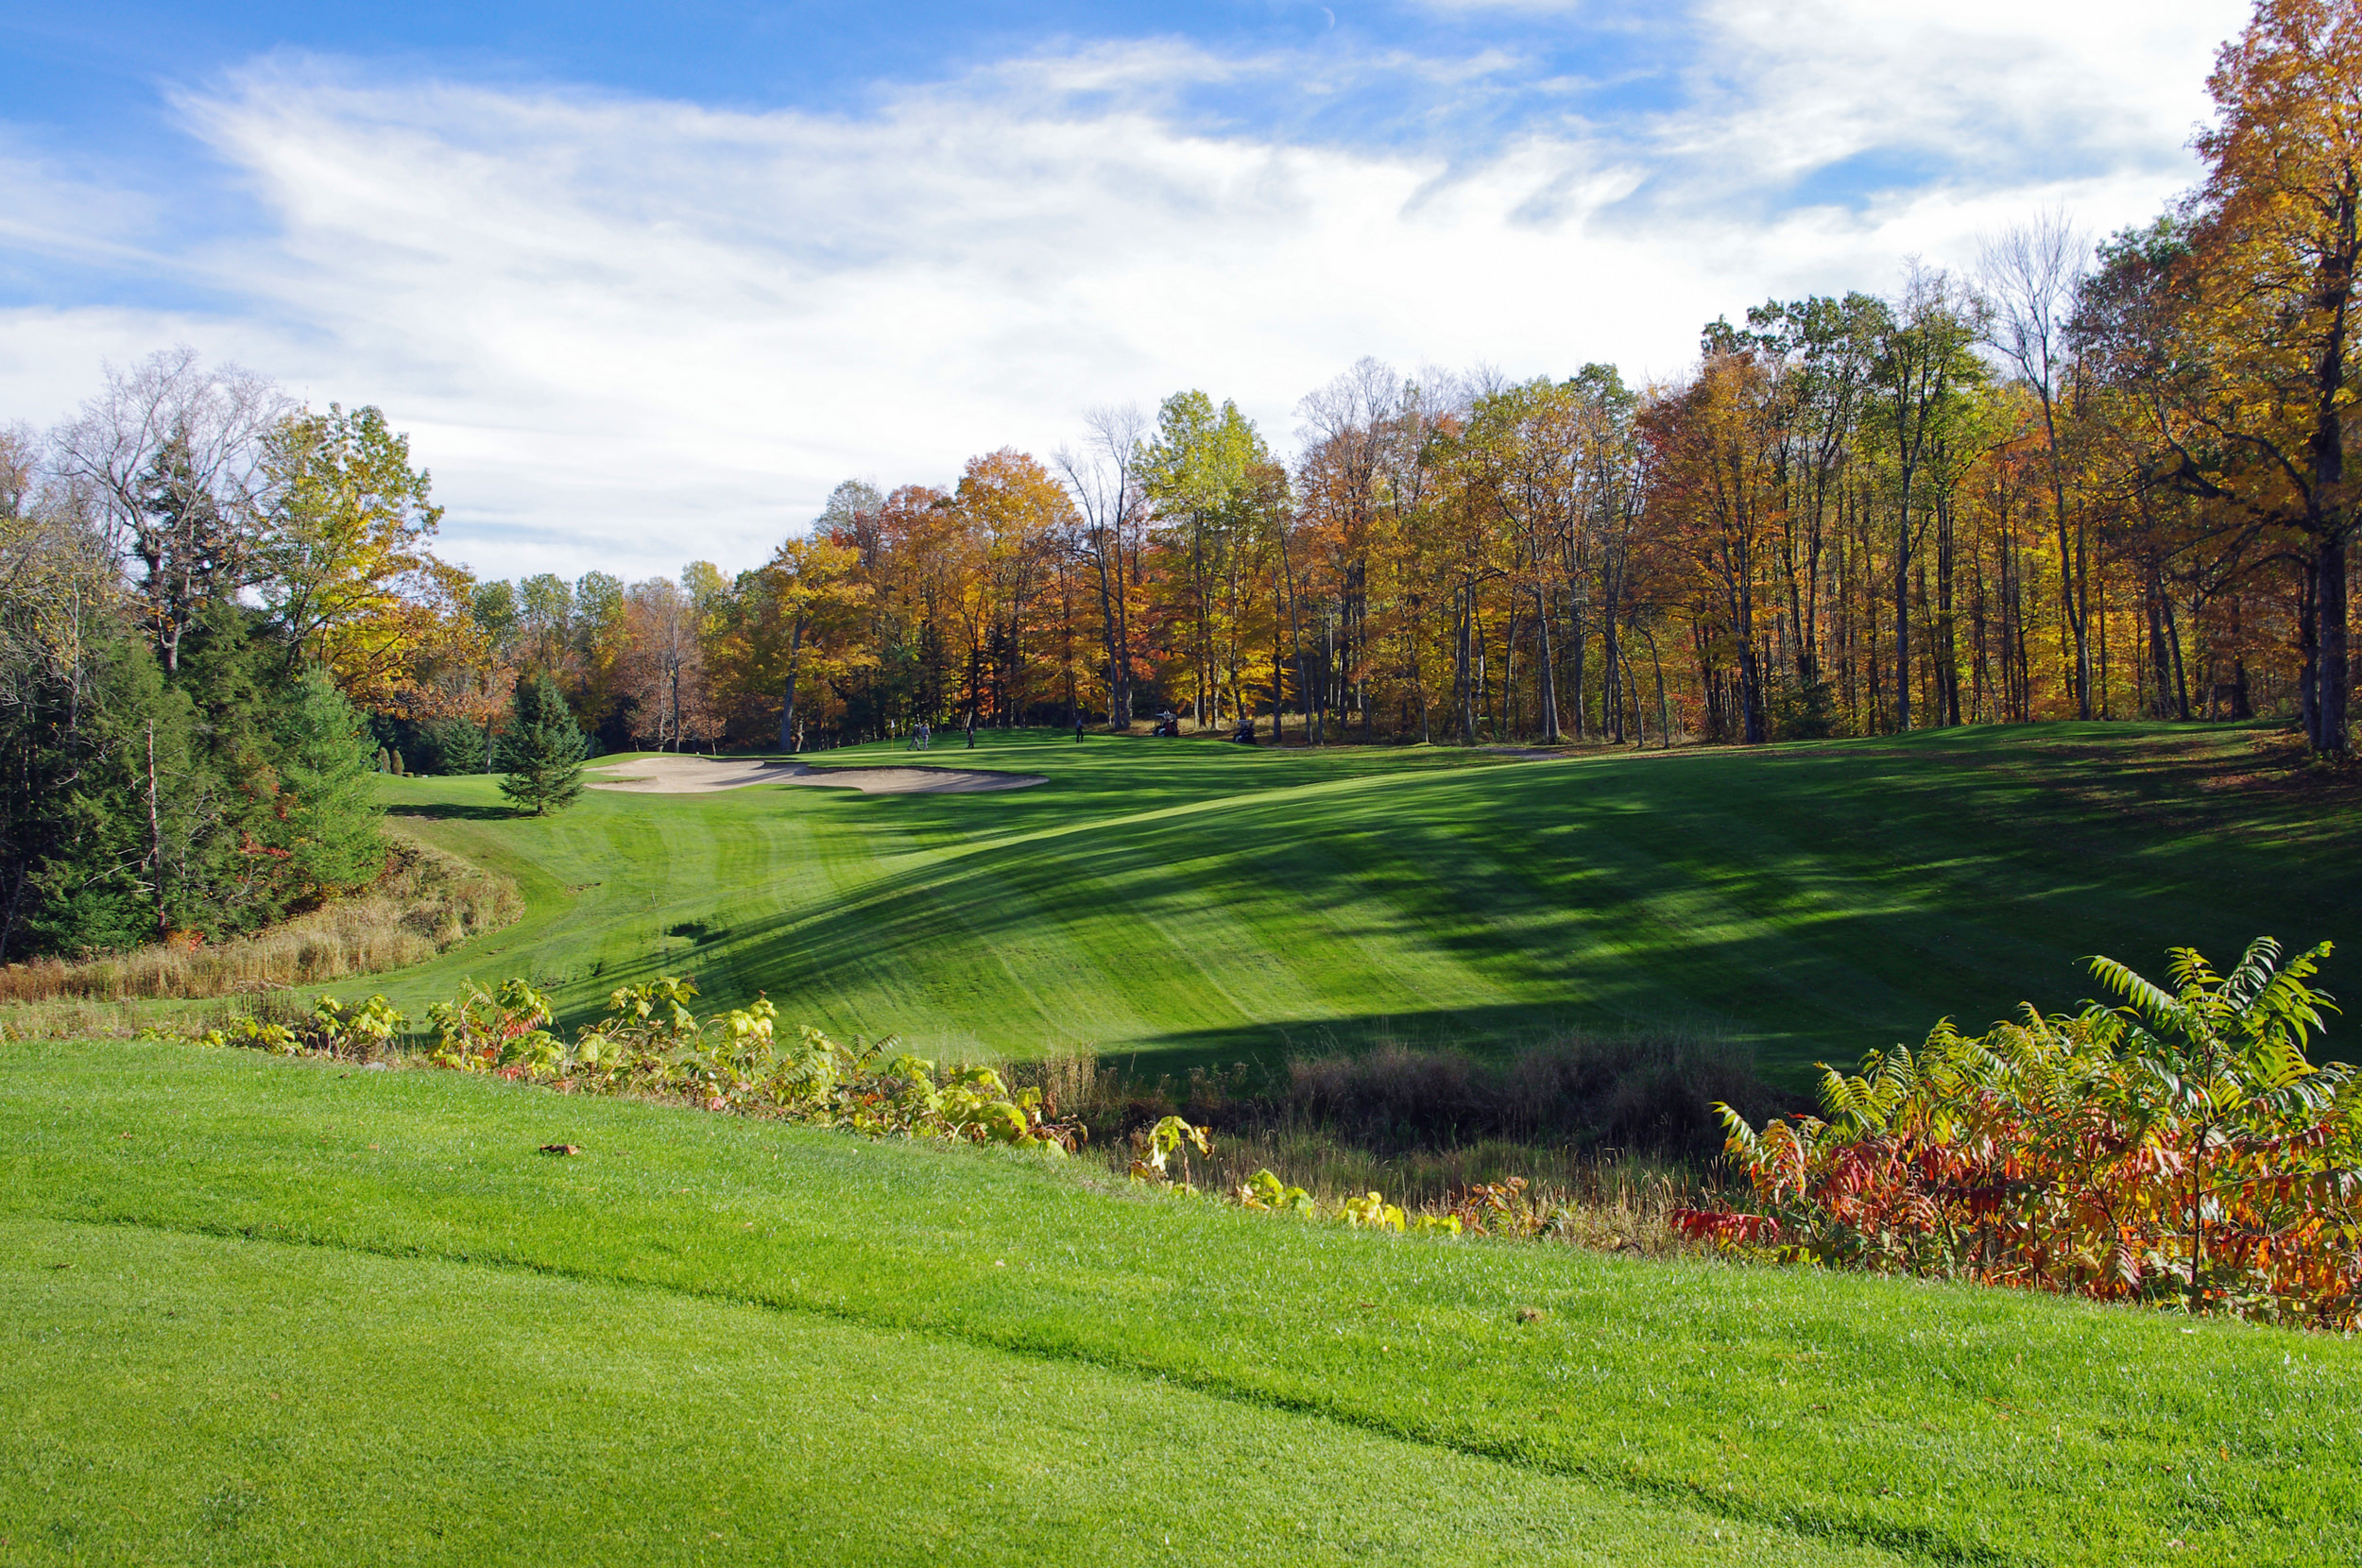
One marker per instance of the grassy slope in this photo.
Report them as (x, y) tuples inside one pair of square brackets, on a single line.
[(197, 1400), (300, 1314), (1200, 901)]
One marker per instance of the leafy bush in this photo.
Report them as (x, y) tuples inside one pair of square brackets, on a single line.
[(2178, 1149), (331, 1029), (653, 1042), (1162, 1157), (1166, 1144), (1802, 711)]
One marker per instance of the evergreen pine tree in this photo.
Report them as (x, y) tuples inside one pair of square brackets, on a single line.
[(327, 810), (543, 748), (447, 746), (85, 862)]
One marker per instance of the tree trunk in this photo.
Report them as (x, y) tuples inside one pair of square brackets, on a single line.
[(156, 839), (1903, 611), (1611, 650), (2071, 563), (1947, 655), (787, 705), (1465, 667), (1664, 710), (2329, 610), (1549, 668), (1577, 645)]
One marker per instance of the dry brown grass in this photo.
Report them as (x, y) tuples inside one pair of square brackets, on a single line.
[(426, 902), (1612, 1202), (1648, 1093), (1426, 1128)]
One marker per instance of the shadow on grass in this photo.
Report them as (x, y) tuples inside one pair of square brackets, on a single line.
[(452, 811), (1494, 1033), (1819, 900)]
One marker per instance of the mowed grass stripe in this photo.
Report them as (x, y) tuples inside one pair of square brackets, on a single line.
[(410, 1411), (1191, 902), (1953, 1423)]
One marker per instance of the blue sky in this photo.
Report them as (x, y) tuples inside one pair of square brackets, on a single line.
[(644, 282)]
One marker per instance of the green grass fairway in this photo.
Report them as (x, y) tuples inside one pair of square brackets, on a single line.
[(1189, 902), (271, 1312)]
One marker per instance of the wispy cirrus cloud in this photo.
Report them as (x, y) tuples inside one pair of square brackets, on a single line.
[(627, 330)]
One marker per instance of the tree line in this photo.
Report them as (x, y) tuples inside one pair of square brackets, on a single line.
[(2086, 481)]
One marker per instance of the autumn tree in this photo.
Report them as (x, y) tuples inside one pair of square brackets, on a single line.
[(1105, 478), (1197, 469), (1826, 349), (340, 555), (1921, 386), (1523, 454), (1351, 427), (596, 645), (2254, 398), (545, 608), (810, 586), (1719, 496), (663, 667), (2033, 275), (1018, 514)]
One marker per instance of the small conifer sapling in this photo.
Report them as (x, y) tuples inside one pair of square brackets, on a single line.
[(544, 748)]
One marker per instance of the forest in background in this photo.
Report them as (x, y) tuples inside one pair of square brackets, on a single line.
[(2086, 481)]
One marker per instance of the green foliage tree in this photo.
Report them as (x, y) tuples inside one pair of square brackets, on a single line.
[(543, 748), (344, 541), (1197, 472), (141, 803), (273, 805)]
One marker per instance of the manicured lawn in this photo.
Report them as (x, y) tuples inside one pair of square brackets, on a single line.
[(193, 1398), (1191, 901), (706, 1338)]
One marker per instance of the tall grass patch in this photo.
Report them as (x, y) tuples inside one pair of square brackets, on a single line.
[(1609, 1135), (426, 902)]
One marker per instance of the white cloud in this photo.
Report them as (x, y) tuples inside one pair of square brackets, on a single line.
[(625, 333), (1800, 83)]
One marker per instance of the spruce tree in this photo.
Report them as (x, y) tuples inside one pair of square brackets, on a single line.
[(543, 748), (327, 811), (450, 746), (84, 861)]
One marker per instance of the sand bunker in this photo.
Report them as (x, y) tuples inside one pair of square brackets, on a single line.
[(692, 775), (916, 781)]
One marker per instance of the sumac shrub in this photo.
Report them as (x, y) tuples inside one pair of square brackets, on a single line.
[(653, 1042), (2181, 1147)]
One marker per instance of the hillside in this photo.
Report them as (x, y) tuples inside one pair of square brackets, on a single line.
[(261, 1311), (1191, 900)]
